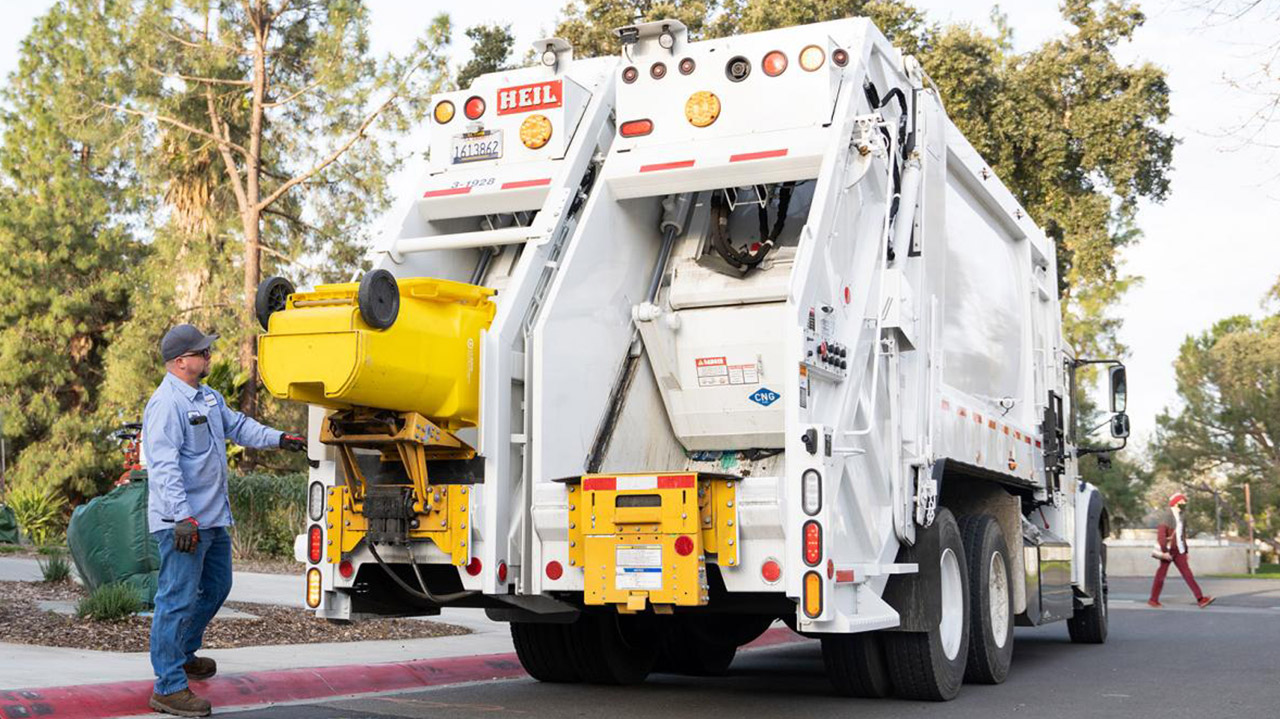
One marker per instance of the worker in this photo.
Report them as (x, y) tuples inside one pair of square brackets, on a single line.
[(184, 429), (1172, 536)]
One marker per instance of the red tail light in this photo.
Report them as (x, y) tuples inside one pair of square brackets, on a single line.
[(684, 545), (474, 108), (812, 543), (315, 544), (636, 128), (770, 571), (774, 63)]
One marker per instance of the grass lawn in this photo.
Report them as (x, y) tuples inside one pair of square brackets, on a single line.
[(1265, 571)]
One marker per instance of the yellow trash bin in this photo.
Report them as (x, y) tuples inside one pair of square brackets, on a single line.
[(319, 349)]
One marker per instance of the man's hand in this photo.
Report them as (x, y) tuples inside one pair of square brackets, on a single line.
[(293, 443), (186, 534)]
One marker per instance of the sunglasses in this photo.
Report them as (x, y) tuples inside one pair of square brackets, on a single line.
[(202, 353)]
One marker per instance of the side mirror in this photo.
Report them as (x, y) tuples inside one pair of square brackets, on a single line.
[(1119, 393), (1120, 426)]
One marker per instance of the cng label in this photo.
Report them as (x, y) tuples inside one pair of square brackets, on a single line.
[(764, 396)]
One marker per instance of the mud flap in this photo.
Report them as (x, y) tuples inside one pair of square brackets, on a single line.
[(917, 597)]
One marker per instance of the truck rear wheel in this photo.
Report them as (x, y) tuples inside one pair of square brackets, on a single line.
[(930, 665), (990, 600), (545, 652), (705, 645), (614, 649), (1089, 624), (856, 665)]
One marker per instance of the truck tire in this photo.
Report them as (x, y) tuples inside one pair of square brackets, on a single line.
[(856, 665), (930, 665), (692, 646), (614, 649), (1089, 624), (545, 652), (990, 600)]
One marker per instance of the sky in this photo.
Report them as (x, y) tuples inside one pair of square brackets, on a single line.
[(1209, 251)]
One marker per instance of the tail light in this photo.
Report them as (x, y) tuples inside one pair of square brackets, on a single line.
[(811, 58), (636, 128), (774, 63), (555, 570), (444, 112), (315, 544), (684, 545), (313, 587), (657, 71), (535, 131), (687, 65), (474, 108), (812, 543), (315, 501), (812, 595), (630, 74), (840, 57)]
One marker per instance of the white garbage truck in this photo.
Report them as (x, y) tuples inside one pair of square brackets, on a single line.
[(799, 359)]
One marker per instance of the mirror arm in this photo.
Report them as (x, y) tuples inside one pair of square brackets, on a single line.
[(1084, 451)]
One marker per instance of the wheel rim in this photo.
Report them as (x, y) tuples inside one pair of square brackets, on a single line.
[(951, 628), (998, 593)]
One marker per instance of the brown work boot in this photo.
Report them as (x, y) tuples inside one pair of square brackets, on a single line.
[(181, 703), (200, 668), (1154, 603), (1204, 601)]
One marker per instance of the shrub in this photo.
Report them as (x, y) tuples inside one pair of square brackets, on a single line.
[(269, 510), (54, 567), (39, 512), (109, 603)]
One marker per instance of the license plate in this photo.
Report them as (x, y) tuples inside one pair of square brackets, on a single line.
[(638, 566), (477, 146)]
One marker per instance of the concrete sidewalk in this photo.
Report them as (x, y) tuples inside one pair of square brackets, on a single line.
[(24, 666)]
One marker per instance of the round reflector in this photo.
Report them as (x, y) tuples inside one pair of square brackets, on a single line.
[(474, 566), (684, 545), (811, 58), (346, 569), (687, 65), (502, 571), (702, 108), (771, 571), (630, 74), (444, 111), (555, 570), (658, 71), (474, 108), (635, 128), (774, 63), (535, 131)]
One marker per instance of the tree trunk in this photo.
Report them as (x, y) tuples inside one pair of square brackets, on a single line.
[(248, 344)]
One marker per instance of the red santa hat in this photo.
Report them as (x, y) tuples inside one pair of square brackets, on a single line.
[(1177, 498)]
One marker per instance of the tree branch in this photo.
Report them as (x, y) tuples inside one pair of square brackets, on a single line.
[(171, 121), (197, 78), (291, 97), (224, 145)]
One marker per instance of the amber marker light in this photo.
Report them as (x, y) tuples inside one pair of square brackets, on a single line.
[(535, 131), (811, 58), (313, 588), (812, 595), (702, 108), (444, 111)]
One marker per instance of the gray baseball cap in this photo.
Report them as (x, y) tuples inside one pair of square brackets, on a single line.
[(182, 339)]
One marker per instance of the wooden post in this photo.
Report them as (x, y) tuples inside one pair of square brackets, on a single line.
[(1248, 511)]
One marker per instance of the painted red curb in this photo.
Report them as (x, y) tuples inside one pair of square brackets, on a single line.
[(99, 701)]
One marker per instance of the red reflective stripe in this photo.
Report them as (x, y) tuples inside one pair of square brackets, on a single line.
[(599, 484), (766, 154), (667, 166), (526, 183), (1037, 444), (447, 192), (1028, 438), (844, 576), (675, 481)]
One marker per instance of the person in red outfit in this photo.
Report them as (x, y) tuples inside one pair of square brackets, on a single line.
[(1172, 535)]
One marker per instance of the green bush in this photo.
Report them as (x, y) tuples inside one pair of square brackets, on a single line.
[(269, 510), (10, 549), (39, 512), (54, 567), (109, 603)]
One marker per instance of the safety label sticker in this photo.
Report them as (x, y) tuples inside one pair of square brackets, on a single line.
[(638, 566), (764, 396), (712, 371), (744, 374)]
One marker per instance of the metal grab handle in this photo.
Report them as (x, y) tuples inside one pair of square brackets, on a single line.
[(462, 240)]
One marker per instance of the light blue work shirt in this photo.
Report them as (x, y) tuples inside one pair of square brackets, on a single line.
[(184, 429)]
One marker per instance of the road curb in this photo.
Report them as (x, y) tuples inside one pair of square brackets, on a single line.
[(101, 701)]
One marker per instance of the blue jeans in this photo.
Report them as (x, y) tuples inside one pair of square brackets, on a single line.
[(191, 589)]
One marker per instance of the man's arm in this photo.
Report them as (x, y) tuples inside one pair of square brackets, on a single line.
[(1162, 536), (161, 439), (245, 431)]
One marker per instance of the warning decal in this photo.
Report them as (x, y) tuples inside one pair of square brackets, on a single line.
[(744, 374), (712, 371)]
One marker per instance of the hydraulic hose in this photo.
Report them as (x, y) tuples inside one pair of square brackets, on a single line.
[(425, 593)]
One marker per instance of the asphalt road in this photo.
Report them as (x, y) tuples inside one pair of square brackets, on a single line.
[(1180, 661)]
